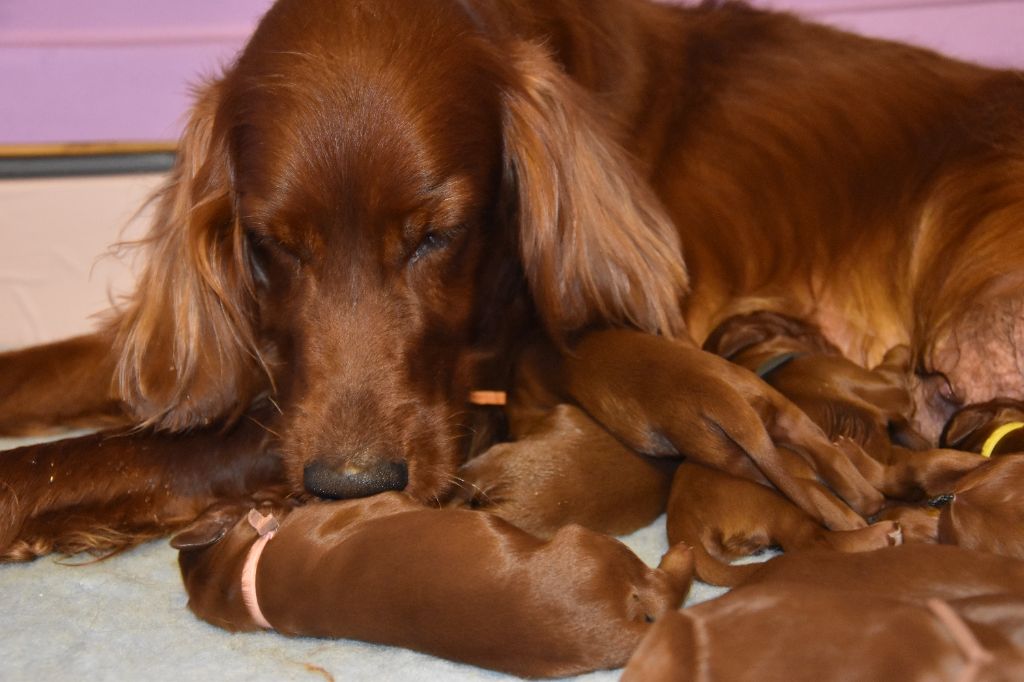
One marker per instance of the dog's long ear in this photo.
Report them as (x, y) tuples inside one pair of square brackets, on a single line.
[(596, 244), (184, 344)]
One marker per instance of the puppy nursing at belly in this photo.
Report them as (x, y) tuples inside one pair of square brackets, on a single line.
[(454, 583)]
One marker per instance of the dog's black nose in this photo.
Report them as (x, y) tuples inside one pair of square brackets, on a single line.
[(354, 480)]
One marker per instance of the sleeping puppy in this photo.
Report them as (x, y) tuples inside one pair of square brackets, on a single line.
[(454, 583), (723, 517), (864, 410), (991, 429), (833, 634), (564, 468)]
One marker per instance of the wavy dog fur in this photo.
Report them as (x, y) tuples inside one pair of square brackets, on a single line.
[(379, 202)]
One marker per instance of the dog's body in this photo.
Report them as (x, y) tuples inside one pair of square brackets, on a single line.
[(377, 196), (833, 633), (929, 611), (455, 583)]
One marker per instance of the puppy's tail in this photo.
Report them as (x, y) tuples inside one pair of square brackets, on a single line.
[(678, 565)]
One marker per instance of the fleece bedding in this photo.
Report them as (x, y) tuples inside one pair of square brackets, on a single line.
[(126, 618)]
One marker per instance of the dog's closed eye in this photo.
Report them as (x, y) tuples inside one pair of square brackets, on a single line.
[(434, 240)]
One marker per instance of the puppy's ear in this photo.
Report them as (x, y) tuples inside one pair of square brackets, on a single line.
[(185, 345), (962, 424), (596, 244), (208, 529)]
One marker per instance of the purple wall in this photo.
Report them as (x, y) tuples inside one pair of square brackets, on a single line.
[(89, 70), (986, 31)]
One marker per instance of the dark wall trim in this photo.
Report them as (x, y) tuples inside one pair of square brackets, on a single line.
[(87, 164)]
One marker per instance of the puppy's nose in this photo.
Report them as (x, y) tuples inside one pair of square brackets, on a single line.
[(354, 480)]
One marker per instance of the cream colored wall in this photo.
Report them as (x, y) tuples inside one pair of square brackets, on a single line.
[(54, 236)]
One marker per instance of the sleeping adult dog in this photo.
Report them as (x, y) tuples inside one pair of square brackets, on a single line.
[(379, 201)]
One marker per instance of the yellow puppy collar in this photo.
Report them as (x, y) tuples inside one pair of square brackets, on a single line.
[(993, 440)]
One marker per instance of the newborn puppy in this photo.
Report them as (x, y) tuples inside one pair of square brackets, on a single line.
[(992, 429), (987, 509), (723, 517), (783, 631), (864, 410), (454, 583), (566, 469)]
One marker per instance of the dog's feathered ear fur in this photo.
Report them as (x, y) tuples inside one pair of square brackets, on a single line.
[(596, 244), (184, 342)]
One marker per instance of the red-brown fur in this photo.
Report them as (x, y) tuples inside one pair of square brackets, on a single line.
[(375, 204), (913, 572), (984, 511), (723, 517), (566, 469), (635, 384), (863, 409), (987, 510), (918, 522), (832, 634), (454, 583), (106, 491), (972, 425)]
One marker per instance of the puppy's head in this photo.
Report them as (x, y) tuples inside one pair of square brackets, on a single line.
[(212, 551), (369, 199), (972, 425)]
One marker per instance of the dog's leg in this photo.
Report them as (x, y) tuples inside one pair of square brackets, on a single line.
[(62, 384), (108, 491), (665, 398)]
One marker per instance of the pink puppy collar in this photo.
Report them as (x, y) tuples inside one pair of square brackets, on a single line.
[(266, 526)]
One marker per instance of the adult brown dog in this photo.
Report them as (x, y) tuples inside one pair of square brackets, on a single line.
[(377, 195)]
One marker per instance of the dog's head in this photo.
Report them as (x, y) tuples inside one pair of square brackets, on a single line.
[(369, 198)]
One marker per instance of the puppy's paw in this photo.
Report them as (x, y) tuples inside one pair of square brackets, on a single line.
[(876, 536)]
